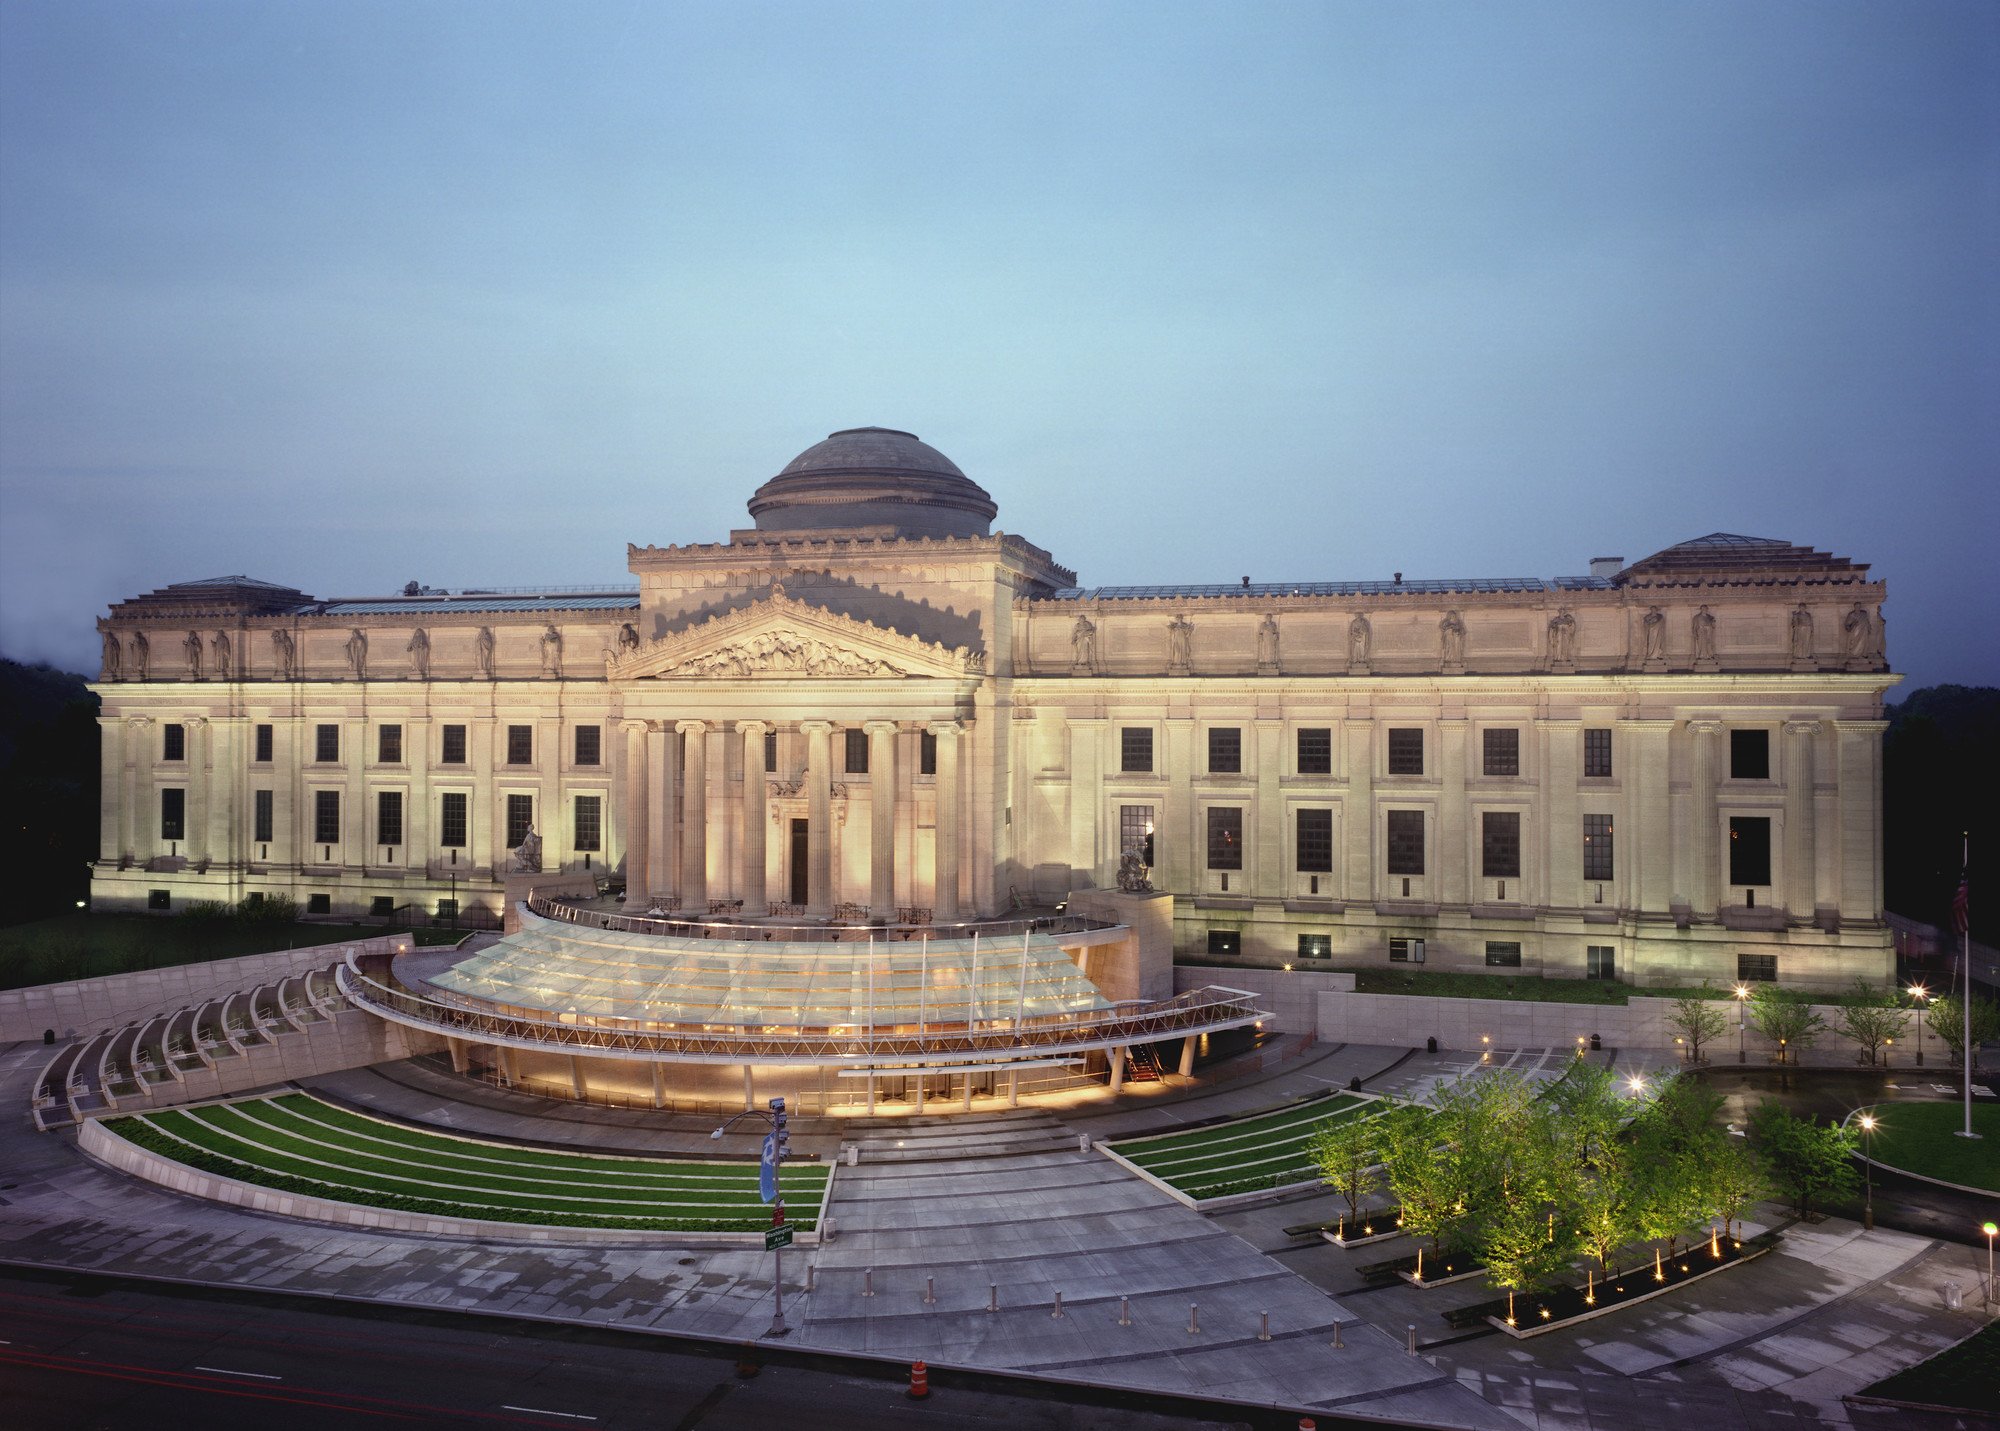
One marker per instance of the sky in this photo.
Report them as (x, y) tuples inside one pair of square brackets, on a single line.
[(343, 294)]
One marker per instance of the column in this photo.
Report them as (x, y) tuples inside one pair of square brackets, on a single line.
[(756, 820), (819, 818), (1799, 854), (663, 771), (1859, 769), (1703, 854), (1561, 775), (417, 831), (1358, 811), (637, 824), (694, 816), (197, 790), (1451, 857), (944, 898), (882, 819), (486, 853), (114, 814), (1117, 1055), (1826, 816), (659, 1085), (1647, 850), (1270, 872), (142, 820)]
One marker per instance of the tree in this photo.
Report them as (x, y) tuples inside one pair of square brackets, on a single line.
[(1521, 1248), (1740, 1180), (1947, 1020), (1346, 1153), (1698, 1020), (1808, 1160), (1786, 1019), (1874, 1017), (1423, 1174)]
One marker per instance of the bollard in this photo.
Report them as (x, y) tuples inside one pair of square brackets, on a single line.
[(811, 1269), (1083, 1142), (853, 1155), (992, 1296), (1058, 1311), (1336, 1337), (1306, 1423), (868, 1283), (930, 1292), (920, 1381), (1263, 1326), (1410, 1340), (1194, 1325), (1124, 1311)]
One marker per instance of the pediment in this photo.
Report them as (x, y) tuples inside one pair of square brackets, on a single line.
[(785, 638)]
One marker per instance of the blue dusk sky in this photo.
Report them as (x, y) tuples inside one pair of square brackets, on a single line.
[(345, 294)]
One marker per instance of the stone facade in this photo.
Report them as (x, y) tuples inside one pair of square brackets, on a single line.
[(870, 703)]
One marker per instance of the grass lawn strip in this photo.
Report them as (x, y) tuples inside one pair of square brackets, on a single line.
[(1278, 1118), (213, 1135), (302, 1116), (146, 1133), (460, 1145), (1922, 1138), (309, 1134), (1962, 1376), (1221, 1151), (1198, 1146)]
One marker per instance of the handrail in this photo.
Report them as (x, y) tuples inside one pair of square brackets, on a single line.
[(1195, 1009), (552, 907)]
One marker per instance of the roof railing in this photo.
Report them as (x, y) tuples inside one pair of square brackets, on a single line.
[(751, 930)]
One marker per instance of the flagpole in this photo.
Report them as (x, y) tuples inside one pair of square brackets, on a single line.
[(1964, 911)]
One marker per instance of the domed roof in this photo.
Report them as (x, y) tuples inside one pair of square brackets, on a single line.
[(872, 477)]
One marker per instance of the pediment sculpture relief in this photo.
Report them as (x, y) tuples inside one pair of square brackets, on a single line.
[(786, 653)]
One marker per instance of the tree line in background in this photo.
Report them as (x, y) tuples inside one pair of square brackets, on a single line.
[(1873, 1019)]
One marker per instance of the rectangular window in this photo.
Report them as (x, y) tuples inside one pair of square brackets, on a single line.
[(1749, 755), (1406, 842), (262, 816), (520, 819), (173, 742), (1500, 844), (1597, 862), (326, 817), (388, 817), (1756, 968), (1406, 951), (1503, 954), (1502, 751), (1600, 961), (1316, 750), (451, 820), (447, 909), (1225, 837), (589, 745), (520, 745), (382, 906), (264, 742), (1135, 749), (926, 753), (1315, 842), (1749, 850), (589, 822), (1225, 750), (173, 814), (1315, 946), (770, 752), (454, 746), (389, 749), (856, 752), (319, 904), (1597, 753), (326, 743), (159, 899), (1225, 941), (1406, 752), (1135, 832)]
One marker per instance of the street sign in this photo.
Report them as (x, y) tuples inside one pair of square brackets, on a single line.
[(776, 1237)]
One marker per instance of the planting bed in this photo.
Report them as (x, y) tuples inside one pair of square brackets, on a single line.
[(1373, 1225), (1538, 1312)]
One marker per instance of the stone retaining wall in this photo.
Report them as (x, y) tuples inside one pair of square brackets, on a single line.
[(354, 1039), (1292, 998)]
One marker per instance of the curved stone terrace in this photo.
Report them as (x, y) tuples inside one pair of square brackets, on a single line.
[(582, 981)]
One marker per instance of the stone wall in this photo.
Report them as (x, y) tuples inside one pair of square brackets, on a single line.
[(1292, 999), (354, 1039)]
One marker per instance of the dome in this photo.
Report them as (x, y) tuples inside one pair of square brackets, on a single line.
[(873, 477)]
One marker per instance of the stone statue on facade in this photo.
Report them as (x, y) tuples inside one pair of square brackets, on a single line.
[(552, 649), (114, 657), (1132, 873), (1859, 632), (223, 669), (419, 651), (628, 637), (357, 653), (1704, 638), (286, 652), (528, 854), (1360, 636), (142, 656), (191, 648), (1802, 635), (1180, 646), (1267, 646), (1083, 646), (1655, 626), (1562, 640), (482, 652), (1451, 644)]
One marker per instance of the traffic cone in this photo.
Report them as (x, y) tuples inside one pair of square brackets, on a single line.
[(920, 1381)]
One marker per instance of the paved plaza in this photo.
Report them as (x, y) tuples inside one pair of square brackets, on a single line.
[(999, 1213)]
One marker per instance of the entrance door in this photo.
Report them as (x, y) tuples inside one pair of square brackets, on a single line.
[(800, 861)]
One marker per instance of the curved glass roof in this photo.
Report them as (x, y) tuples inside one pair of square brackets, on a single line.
[(569, 969)]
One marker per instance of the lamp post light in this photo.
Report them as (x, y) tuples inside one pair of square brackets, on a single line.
[(1989, 1229), (1922, 996), (1742, 995), (776, 1143), (1868, 1172)]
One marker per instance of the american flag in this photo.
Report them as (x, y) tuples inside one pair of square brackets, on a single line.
[(1959, 902)]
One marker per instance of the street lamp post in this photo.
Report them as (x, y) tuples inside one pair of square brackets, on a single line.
[(1868, 1172), (1989, 1229), (776, 1143), (1922, 996), (1742, 993)]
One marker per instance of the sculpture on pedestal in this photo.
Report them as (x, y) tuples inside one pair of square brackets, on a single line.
[(1083, 646), (420, 654), (1267, 646)]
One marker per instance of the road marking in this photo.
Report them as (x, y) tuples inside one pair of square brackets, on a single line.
[(537, 1411), (225, 1371)]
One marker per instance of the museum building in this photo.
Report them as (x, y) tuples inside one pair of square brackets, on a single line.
[(871, 710)]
